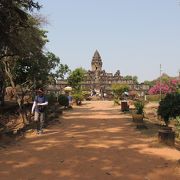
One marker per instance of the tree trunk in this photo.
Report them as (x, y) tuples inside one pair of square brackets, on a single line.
[(19, 99)]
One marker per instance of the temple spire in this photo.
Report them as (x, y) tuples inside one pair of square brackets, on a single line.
[(96, 63)]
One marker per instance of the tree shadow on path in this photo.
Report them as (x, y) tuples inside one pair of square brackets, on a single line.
[(90, 143)]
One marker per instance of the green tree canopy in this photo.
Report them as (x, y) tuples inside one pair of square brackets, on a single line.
[(62, 70), (150, 83), (76, 77), (119, 89), (37, 70), (15, 19), (129, 77)]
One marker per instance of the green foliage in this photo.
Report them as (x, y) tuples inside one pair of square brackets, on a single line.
[(178, 90), (177, 125), (119, 89), (86, 94), (165, 79), (36, 71), (135, 79), (15, 19), (75, 78), (78, 96), (169, 107), (52, 99), (155, 98), (139, 106), (129, 77), (30, 66), (150, 83), (63, 100), (62, 70)]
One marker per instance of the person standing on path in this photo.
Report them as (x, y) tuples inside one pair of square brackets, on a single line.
[(39, 104), (70, 100)]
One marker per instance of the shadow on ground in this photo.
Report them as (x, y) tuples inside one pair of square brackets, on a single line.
[(90, 143)]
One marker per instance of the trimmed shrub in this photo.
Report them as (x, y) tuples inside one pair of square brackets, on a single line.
[(51, 98), (169, 107), (63, 100)]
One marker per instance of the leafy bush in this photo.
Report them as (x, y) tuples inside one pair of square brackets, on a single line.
[(119, 89), (168, 86), (86, 94), (177, 125), (169, 107), (178, 90), (51, 98), (139, 106), (154, 97), (78, 96), (63, 100)]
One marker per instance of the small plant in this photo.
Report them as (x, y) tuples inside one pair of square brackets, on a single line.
[(86, 94), (78, 97), (63, 100), (139, 106), (169, 107)]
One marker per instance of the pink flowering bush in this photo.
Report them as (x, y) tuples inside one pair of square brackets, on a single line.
[(169, 87)]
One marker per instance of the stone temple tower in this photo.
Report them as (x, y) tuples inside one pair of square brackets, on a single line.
[(96, 63)]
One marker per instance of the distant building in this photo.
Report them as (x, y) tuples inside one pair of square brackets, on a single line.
[(99, 80)]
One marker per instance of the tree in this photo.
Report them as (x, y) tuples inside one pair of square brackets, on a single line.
[(36, 71), (19, 33), (135, 79), (128, 77), (62, 70), (75, 78), (14, 18), (119, 89), (165, 87), (33, 40), (149, 83)]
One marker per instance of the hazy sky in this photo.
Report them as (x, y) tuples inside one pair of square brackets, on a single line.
[(134, 36)]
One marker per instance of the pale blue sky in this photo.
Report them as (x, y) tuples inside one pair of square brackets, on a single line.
[(134, 36)]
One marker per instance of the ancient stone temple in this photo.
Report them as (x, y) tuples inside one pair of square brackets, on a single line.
[(100, 80)]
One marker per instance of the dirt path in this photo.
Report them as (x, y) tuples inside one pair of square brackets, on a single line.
[(94, 142)]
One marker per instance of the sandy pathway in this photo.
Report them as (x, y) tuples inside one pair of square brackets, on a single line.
[(96, 142)]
